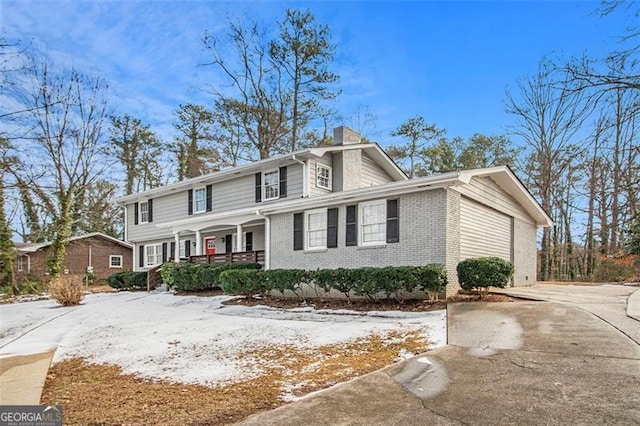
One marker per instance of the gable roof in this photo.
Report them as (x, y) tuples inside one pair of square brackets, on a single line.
[(372, 149), (34, 247)]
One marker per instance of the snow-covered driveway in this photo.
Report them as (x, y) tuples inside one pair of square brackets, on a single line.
[(188, 339)]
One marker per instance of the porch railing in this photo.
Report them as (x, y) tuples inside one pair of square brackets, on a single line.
[(154, 279), (256, 256)]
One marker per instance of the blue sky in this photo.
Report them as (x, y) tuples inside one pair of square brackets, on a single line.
[(447, 61)]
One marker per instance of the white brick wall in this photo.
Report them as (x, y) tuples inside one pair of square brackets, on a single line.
[(422, 238)]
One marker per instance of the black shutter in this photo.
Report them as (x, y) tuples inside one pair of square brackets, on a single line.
[(150, 207), (393, 228), (298, 231), (135, 213), (332, 228), (352, 226), (164, 252), (283, 182), (228, 243), (249, 241), (209, 198), (141, 255), (190, 205), (187, 248), (172, 249), (258, 187)]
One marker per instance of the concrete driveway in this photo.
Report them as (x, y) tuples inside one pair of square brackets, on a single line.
[(570, 360)]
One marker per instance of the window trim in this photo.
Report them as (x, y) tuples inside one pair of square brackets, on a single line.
[(323, 213), (276, 184), (203, 189), (140, 215), (329, 177), (157, 255), (115, 256), (361, 223)]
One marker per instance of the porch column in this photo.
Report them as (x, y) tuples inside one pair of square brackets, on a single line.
[(267, 242), (198, 243), (176, 250), (239, 238)]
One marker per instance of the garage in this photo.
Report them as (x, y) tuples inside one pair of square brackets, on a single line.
[(484, 231)]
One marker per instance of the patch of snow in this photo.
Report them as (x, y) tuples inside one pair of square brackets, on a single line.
[(187, 339)]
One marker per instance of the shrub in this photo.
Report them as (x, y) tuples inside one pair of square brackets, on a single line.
[(286, 279), (336, 279), (367, 282), (614, 270), (484, 272), (199, 277), (398, 280), (243, 281), (128, 280), (432, 279), (66, 289)]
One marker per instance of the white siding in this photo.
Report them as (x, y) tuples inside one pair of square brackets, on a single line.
[(484, 232), (372, 174), (165, 209), (486, 191)]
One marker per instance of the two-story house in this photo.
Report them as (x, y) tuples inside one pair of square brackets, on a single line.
[(346, 205)]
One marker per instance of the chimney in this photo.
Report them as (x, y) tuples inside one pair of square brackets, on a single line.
[(345, 136)]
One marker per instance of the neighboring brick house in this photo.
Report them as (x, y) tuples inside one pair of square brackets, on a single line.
[(103, 254), (346, 205)]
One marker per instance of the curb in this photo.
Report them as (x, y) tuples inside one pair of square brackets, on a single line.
[(633, 306)]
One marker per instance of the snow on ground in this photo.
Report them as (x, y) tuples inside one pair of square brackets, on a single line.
[(188, 339)]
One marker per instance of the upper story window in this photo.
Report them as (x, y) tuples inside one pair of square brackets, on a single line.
[(200, 200), (323, 176), (144, 212), (271, 185), (316, 229), (373, 222)]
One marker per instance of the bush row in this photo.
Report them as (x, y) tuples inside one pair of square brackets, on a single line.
[(128, 280), (396, 281), (198, 277)]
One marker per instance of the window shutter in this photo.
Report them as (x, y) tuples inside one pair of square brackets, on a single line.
[(352, 226), (172, 249), (393, 228), (283, 182), (190, 205), (135, 213), (187, 248), (164, 252), (332, 228), (150, 207), (298, 230), (228, 243), (141, 255), (248, 241), (258, 187), (209, 198)]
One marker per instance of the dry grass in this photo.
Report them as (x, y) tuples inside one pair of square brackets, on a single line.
[(67, 290), (100, 394)]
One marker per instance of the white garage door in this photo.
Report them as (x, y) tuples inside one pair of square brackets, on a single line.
[(483, 231)]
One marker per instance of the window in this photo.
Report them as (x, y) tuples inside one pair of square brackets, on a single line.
[(20, 264), (182, 248), (316, 229), (373, 223), (271, 186), (144, 212), (115, 261), (323, 176), (153, 254), (200, 200)]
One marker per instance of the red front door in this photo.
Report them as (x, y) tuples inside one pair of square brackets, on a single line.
[(210, 244)]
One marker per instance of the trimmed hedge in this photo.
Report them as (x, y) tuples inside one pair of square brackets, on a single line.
[(198, 277), (484, 272), (128, 280), (398, 281)]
